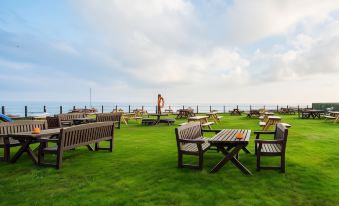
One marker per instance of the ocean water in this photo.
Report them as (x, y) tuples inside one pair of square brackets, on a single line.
[(37, 107)]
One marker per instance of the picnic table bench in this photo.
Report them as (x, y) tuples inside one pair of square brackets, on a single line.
[(202, 119), (190, 141), (235, 111), (253, 113), (110, 117), (311, 113), (184, 113), (8, 130), (77, 136)]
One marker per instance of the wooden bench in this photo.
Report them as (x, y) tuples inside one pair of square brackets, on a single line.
[(110, 117), (67, 119), (207, 124), (276, 147), (190, 141), (77, 136), (16, 127)]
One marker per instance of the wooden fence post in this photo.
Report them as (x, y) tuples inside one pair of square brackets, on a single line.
[(116, 108), (224, 109), (129, 108), (102, 108), (3, 109), (156, 109), (250, 108), (210, 108), (237, 107), (26, 111), (142, 108), (45, 110), (183, 106), (197, 109), (60, 109), (73, 108), (277, 108)]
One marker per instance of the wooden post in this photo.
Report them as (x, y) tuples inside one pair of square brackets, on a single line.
[(224, 109), (60, 109), (142, 108), (287, 107), (156, 109), (183, 107), (3, 109), (237, 107), (45, 110), (298, 111), (73, 108), (250, 108), (129, 108), (197, 109), (116, 108), (26, 111), (277, 108), (102, 108), (210, 108), (264, 107), (306, 106), (85, 108)]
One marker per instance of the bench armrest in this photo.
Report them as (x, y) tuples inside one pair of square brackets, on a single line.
[(261, 141), (264, 132), (258, 133), (197, 141)]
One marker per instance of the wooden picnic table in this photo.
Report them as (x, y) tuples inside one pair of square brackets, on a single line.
[(185, 113), (28, 138), (230, 146), (336, 115), (214, 116), (314, 113), (83, 120), (157, 120), (269, 121), (202, 119), (235, 111)]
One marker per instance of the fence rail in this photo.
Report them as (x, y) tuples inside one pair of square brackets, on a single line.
[(25, 111)]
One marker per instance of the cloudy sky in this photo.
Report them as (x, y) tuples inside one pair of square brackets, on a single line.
[(217, 51)]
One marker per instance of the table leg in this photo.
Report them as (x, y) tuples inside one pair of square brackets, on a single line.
[(25, 148), (90, 148), (230, 156)]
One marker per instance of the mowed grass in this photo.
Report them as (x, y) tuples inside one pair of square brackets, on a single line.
[(142, 170)]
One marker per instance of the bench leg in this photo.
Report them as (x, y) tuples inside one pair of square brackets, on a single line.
[(180, 165), (258, 161), (59, 160)]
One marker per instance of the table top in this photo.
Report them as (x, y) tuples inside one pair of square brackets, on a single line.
[(274, 117), (197, 117), (43, 133), (334, 112), (269, 113), (212, 113), (229, 136)]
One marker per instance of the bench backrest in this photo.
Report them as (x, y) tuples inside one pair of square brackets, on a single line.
[(22, 126), (81, 135), (109, 117), (188, 131), (53, 122), (281, 133), (70, 116)]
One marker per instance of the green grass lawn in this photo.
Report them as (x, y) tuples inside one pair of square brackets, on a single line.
[(142, 170)]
